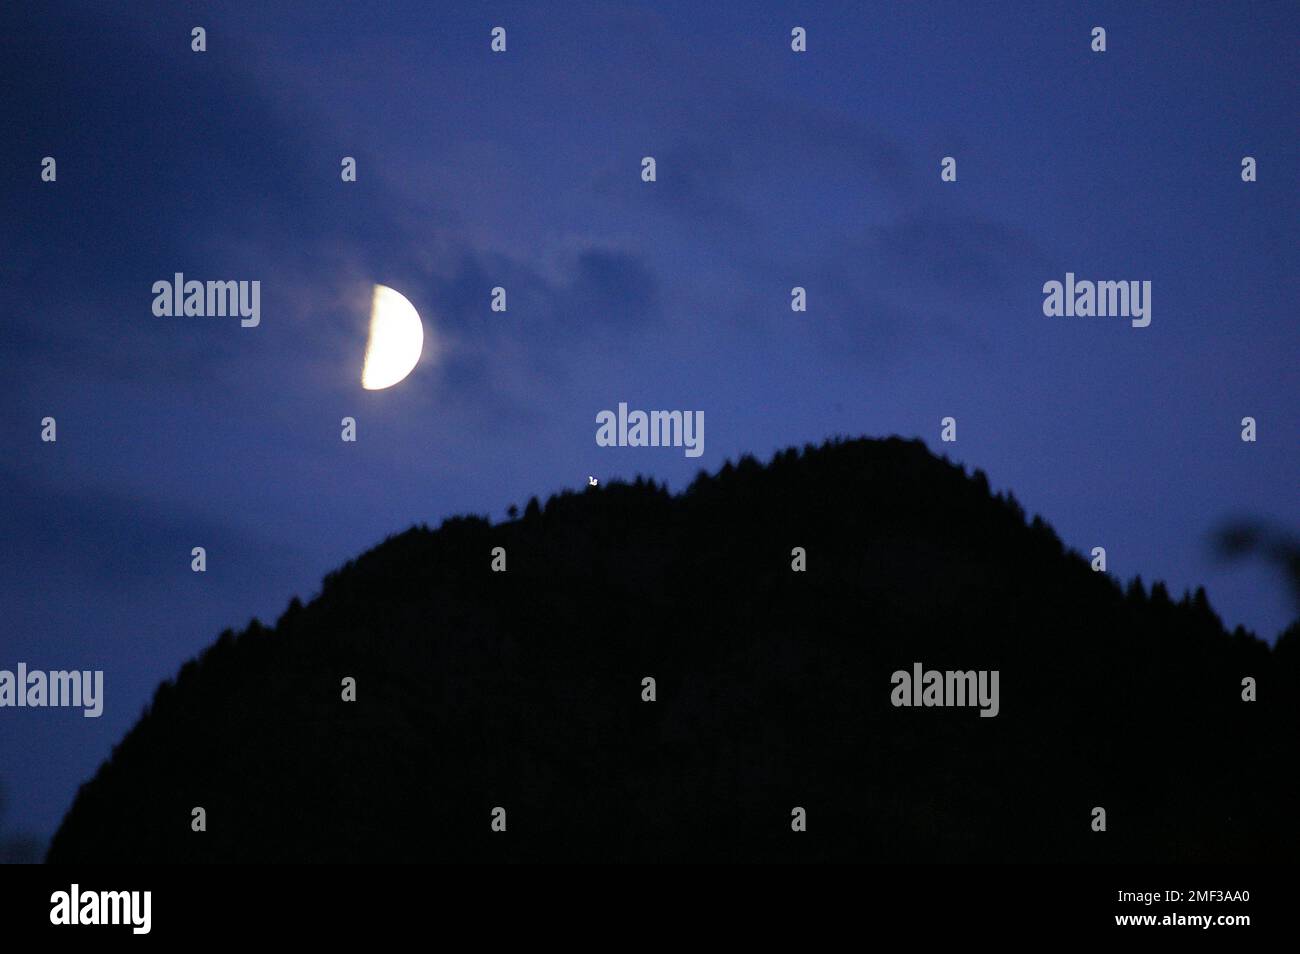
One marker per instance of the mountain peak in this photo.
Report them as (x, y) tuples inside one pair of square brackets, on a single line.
[(777, 611)]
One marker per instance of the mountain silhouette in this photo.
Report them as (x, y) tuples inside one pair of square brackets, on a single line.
[(523, 690)]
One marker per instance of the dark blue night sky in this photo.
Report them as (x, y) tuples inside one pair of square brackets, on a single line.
[(522, 170)]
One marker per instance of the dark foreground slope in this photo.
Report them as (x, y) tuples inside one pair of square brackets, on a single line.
[(523, 690)]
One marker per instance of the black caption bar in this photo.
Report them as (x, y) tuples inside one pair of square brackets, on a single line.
[(145, 904)]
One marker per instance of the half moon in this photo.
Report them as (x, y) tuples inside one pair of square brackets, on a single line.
[(396, 340)]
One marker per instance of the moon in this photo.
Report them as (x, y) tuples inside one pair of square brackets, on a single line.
[(395, 342)]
